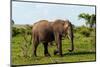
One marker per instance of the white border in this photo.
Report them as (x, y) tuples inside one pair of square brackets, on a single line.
[(88, 2), (5, 33)]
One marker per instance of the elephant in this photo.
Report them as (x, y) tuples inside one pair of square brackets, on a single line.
[(45, 32)]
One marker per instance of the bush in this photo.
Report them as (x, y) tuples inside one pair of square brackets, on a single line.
[(21, 30), (85, 31), (15, 31)]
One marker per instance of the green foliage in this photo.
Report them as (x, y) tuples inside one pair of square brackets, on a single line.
[(21, 30), (15, 31), (89, 19), (84, 51), (85, 31), (24, 32)]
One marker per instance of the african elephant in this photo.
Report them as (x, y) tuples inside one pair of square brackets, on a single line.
[(45, 32)]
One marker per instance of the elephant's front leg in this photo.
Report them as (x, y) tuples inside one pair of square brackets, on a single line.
[(46, 53), (59, 45)]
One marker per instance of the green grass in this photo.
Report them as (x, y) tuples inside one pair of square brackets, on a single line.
[(84, 51)]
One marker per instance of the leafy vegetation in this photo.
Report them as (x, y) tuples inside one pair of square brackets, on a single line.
[(90, 19), (85, 31)]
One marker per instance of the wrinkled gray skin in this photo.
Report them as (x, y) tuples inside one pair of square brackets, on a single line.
[(46, 32)]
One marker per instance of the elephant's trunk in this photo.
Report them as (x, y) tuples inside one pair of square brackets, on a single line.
[(71, 37)]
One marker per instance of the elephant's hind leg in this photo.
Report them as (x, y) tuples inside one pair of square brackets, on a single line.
[(35, 44), (46, 53)]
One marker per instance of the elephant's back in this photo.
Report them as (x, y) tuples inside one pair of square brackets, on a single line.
[(42, 24), (43, 30)]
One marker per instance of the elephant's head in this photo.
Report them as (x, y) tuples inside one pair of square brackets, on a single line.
[(69, 31)]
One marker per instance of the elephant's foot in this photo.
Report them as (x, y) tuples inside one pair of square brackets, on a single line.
[(70, 50), (56, 52), (47, 55)]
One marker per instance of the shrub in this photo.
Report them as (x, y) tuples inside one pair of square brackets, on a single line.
[(85, 31), (15, 31), (21, 30)]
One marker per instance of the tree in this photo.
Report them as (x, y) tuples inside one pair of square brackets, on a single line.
[(90, 19)]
